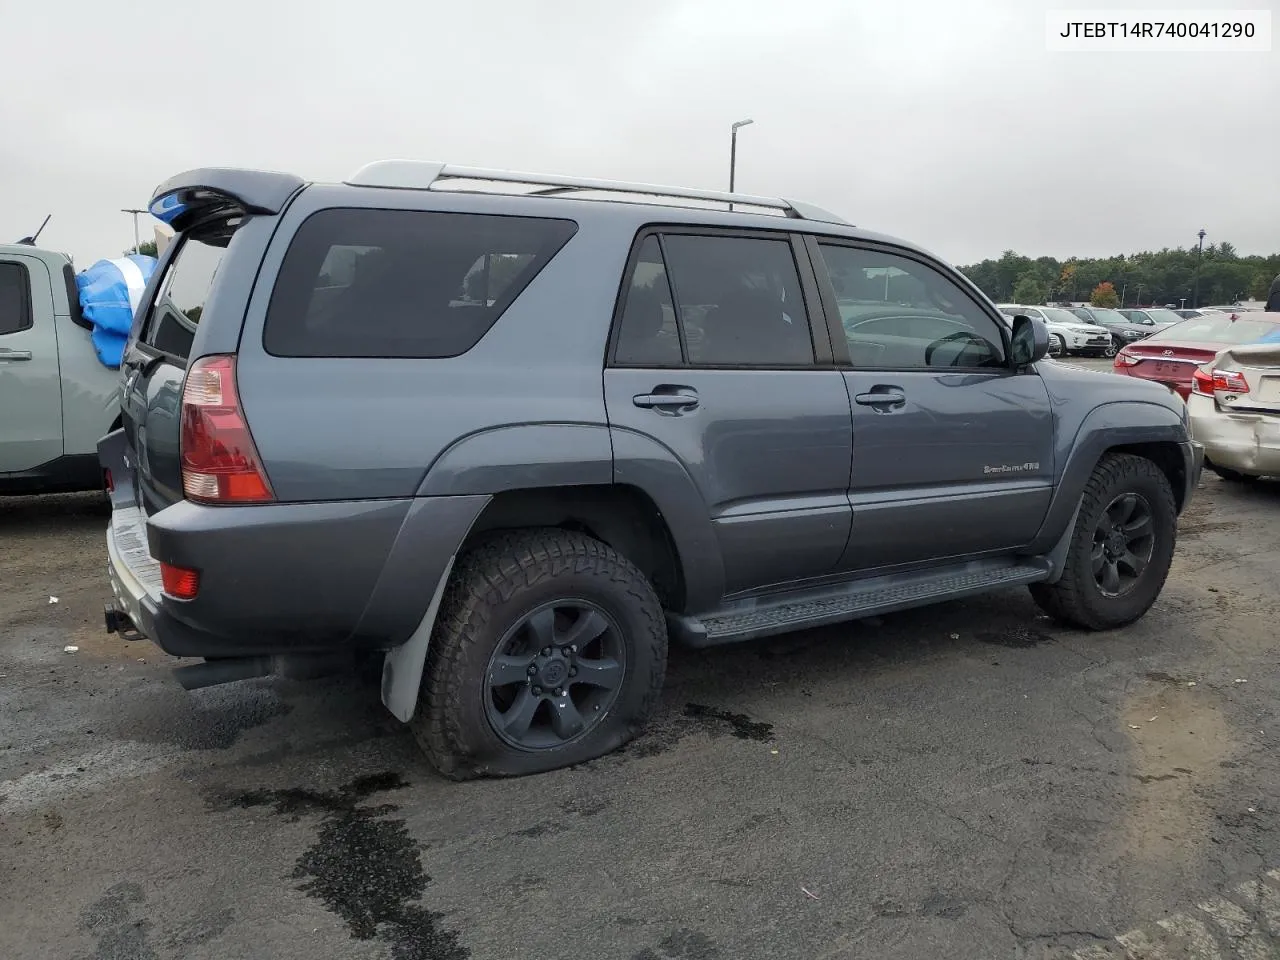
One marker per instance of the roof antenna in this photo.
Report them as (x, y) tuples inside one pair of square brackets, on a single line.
[(31, 240)]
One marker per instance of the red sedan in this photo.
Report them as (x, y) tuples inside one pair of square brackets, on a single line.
[(1171, 356)]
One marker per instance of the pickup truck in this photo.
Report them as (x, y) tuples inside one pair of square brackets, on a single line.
[(56, 398)]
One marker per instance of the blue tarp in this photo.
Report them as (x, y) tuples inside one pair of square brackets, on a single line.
[(109, 294)]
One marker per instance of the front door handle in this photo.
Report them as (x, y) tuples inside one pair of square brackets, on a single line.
[(881, 397), (679, 400), (7, 354)]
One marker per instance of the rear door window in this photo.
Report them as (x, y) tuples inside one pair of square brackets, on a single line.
[(15, 298), (716, 301), (403, 283)]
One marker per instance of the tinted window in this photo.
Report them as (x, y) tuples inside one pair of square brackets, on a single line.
[(1160, 315), (738, 300), (898, 313), (180, 299), (403, 283), (648, 334), (1215, 328), (15, 298)]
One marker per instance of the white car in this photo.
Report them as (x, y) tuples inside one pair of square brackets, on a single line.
[(1067, 332), (1234, 408)]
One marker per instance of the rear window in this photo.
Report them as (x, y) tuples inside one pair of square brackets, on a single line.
[(1102, 315), (171, 324), (403, 283), (1216, 328), (1058, 315)]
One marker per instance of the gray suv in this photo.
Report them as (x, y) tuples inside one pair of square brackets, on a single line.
[(511, 433)]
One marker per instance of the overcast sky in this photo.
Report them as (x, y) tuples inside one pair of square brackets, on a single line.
[(941, 121)]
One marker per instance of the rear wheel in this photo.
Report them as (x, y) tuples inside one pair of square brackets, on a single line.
[(549, 651), (1120, 550)]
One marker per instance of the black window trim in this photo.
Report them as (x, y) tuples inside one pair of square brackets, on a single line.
[(813, 309), (74, 309), (28, 310), (835, 326), (510, 295)]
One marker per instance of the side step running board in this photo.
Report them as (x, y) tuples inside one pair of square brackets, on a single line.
[(850, 600)]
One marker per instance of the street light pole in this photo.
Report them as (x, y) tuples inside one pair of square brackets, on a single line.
[(1195, 296), (733, 150), (137, 242)]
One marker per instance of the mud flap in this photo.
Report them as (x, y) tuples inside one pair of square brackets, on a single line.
[(402, 665), (1057, 557)]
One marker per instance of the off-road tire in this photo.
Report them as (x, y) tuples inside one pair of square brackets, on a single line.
[(491, 588), (1076, 599)]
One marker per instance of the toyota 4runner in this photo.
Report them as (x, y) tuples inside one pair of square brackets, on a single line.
[(512, 432)]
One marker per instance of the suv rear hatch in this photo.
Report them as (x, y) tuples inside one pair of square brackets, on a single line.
[(193, 306)]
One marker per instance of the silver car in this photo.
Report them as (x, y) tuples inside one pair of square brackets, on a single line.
[(1235, 409)]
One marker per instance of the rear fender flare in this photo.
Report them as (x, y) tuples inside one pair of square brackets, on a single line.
[(524, 456)]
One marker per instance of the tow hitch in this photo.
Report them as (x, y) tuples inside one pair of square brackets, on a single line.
[(118, 622)]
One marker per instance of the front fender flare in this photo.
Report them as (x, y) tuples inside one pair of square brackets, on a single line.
[(1110, 425)]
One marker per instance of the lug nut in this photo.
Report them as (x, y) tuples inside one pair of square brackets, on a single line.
[(546, 651), (559, 692), (532, 670), (573, 671), (537, 691), (567, 651)]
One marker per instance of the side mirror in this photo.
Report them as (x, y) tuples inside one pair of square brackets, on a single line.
[(1030, 341)]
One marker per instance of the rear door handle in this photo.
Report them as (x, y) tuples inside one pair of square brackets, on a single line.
[(7, 354), (881, 397), (666, 401)]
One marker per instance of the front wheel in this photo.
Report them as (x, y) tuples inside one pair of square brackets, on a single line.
[(1120, 550), (1057, 346), (549, 650), (1110, 349)]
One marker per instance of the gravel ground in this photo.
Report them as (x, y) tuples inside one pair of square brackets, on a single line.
[(965, 781)]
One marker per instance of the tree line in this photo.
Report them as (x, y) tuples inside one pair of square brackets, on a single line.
[(1159, 277)]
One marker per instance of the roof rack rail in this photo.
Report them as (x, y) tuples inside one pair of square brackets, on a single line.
[(427, 174)]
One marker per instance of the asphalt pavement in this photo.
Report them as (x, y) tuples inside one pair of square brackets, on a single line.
[(967, 781)]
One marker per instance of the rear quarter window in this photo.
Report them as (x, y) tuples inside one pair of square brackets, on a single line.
[(403, 283)]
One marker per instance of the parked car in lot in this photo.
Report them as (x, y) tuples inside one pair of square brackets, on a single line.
[(1171, 356), (1235, 410), (345, 430), (1067, 332), (1122, 330), (1157, 317), (56, 399)]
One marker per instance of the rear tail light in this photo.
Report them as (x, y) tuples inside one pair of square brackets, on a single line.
[(1230, 381), (109, 483), (1220, 381), (1124, 360), (1202, 383), (179, 582), (220, 463)]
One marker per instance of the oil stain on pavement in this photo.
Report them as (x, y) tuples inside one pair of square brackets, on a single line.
[(364, 866)]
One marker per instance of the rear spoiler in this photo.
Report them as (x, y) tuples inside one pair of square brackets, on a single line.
[(197, 195)]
